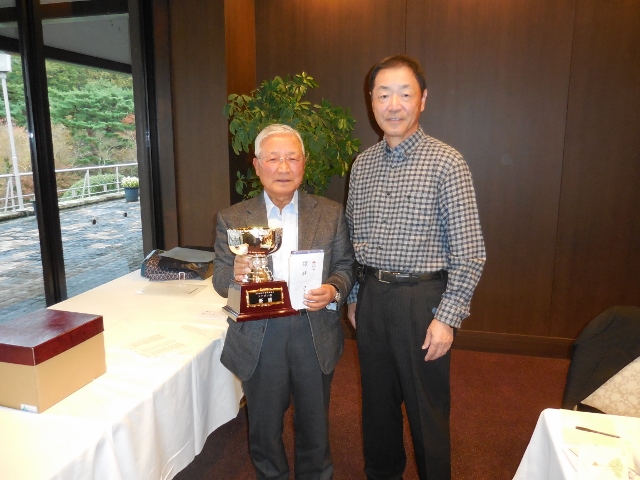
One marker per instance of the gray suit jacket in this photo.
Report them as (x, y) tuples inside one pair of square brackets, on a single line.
[(321, 225)]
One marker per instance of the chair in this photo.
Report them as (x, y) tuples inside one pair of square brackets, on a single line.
[(609, 343), (620, 395)]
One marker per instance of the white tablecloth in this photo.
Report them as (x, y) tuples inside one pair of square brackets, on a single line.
[(558, 450), (150, 414)]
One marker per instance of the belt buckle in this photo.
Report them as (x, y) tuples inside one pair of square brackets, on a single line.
[(379, 276)]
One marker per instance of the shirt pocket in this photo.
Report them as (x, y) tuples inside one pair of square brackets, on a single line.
[(416, 213)]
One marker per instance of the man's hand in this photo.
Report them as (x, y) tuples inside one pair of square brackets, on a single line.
[(241, 266), (320, 297), (438, 340), (351, 313)]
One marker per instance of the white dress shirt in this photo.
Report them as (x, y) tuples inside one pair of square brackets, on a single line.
[(288, 221)]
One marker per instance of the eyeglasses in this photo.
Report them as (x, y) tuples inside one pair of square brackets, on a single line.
[(290, 160)]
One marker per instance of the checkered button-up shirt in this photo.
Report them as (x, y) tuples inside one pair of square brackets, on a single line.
[(412, 209)]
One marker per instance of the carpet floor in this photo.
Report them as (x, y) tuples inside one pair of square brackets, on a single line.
[(496, 401)]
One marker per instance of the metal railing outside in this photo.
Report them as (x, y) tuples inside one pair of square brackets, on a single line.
[(14, 200)]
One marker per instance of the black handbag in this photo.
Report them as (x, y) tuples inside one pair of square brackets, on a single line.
[(158, 266)]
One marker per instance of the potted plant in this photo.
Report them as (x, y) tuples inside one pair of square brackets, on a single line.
[(131, 185), (326, 130)]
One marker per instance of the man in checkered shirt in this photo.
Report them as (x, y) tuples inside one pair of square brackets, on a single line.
[(415, 229)]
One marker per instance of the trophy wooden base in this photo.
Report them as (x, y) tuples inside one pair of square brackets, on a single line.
[(255, 301)]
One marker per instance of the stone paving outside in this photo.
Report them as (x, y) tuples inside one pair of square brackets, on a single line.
[(101, 242)]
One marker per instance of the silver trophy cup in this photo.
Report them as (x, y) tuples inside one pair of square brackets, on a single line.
[(257, 243)]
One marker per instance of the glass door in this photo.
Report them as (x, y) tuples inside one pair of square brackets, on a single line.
[(85, 45), (94, 141), (21, 275)]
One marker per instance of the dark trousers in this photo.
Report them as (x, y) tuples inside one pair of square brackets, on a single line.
[(288, 368), (392, 321)]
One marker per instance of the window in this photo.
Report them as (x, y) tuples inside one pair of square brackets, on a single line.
[(87, 148)]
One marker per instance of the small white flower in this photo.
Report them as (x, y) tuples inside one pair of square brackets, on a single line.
[(130, 182)]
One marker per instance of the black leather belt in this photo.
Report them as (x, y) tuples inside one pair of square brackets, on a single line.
[(399, 277), (302, 312)]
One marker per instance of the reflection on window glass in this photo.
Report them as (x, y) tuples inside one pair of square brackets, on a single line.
[(93, 134), (21, 282), (93, 128)]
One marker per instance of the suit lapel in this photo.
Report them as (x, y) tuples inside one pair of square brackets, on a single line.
[(308, 220), (256, 212)]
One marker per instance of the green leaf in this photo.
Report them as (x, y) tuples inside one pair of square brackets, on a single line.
[(240, 185), (326, 129)]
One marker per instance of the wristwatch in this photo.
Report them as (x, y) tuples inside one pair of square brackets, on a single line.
[(337, 298), (333, 305)]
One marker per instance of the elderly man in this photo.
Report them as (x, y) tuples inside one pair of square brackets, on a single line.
[(288, 357), (416, 234)]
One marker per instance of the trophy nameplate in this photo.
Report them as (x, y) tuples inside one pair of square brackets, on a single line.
[(258, 296)]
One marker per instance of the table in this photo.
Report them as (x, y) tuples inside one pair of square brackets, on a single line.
[(147, 417), (558, 450)]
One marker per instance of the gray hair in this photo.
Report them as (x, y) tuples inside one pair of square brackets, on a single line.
[(275, 129)]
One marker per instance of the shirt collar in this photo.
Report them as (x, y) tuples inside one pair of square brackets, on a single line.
[(291, 206), (407, 144)]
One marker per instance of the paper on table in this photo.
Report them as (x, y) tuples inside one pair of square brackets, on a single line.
[(597, 455), (169, 288), (213, 332), (156, 346), (305, 273), (596, 462)]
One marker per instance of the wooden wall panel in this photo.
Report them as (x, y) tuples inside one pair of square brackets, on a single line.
[(598, 247), (498, 74), (541, 97), (199, 95), (240, 47), (337, 43)]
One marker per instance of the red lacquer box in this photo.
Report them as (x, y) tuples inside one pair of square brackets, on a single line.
[(47, 355)]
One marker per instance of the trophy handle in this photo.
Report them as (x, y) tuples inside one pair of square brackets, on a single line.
[(241, 249)]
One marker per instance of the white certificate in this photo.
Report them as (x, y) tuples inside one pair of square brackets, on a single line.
[(305, 273)]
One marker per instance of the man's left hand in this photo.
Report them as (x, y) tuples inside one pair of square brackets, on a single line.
[(320, 297), (438, 340)]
